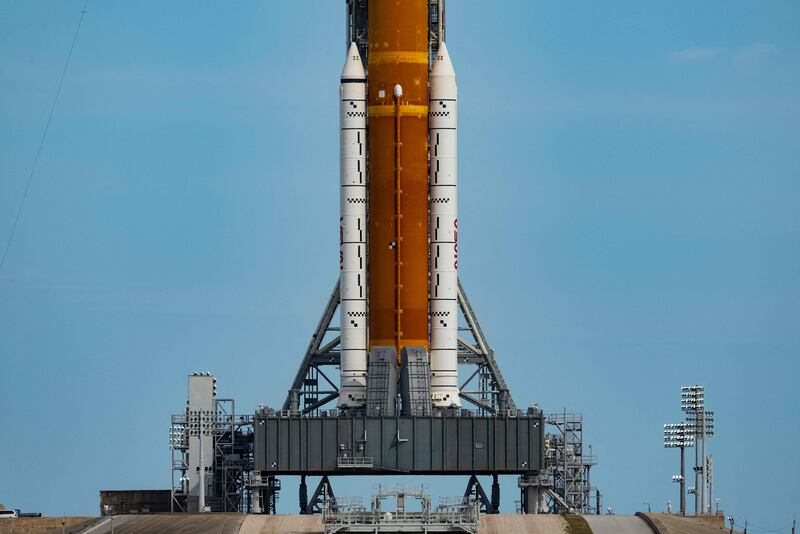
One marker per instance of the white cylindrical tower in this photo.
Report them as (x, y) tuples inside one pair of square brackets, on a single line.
[(353, 233), (442, 116)]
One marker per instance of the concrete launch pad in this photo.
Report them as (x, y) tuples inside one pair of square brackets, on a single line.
[(213, 523)]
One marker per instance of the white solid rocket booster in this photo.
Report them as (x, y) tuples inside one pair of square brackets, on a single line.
[(353, 232), (443, 232)]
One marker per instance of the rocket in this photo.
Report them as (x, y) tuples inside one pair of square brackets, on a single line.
[(398, 203)]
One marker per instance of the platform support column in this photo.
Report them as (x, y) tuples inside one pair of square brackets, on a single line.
[(533, 487), (531, 500), (495, 494), (303, 495)]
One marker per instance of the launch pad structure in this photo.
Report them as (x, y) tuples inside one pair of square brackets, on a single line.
[(398, 377), (399, 408)]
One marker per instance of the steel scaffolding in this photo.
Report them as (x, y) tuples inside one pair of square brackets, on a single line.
[(485, 388), (356, 22), (569, 469), (231, 458)]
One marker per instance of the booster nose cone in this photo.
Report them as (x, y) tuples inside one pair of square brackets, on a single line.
[(442, 66), (353, 67)]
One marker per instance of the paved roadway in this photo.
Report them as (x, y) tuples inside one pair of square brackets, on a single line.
[(617, 524), (282, 524), (526, 524)]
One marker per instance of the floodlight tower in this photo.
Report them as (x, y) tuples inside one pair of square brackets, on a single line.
[(679, 435), (710, 478), (692, 403), (708, 484), (702, 423)]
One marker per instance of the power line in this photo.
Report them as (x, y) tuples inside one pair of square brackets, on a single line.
[(42, 140)]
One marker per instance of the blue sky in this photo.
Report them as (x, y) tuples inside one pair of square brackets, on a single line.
[(630, 177)]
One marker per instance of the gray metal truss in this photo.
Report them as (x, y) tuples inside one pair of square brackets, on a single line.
[(436, 27), (485, 387), (357, 18)]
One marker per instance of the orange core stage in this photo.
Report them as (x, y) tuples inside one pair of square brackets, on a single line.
[(398, 173)]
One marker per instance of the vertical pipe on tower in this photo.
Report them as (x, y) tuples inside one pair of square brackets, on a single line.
[(443, 179), (683, 481), (703, 462), (353, 232), (697, 473)]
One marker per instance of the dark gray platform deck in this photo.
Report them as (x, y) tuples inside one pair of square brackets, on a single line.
[(398, 445)]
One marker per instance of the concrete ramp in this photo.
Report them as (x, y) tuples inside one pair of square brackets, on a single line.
[(43, 525), (523, 524), (673, 524), (172, 524), (281, 524), (617, 524)]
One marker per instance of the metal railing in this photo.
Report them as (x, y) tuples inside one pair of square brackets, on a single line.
[(462, 518), (355, 462), (451, 515)]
